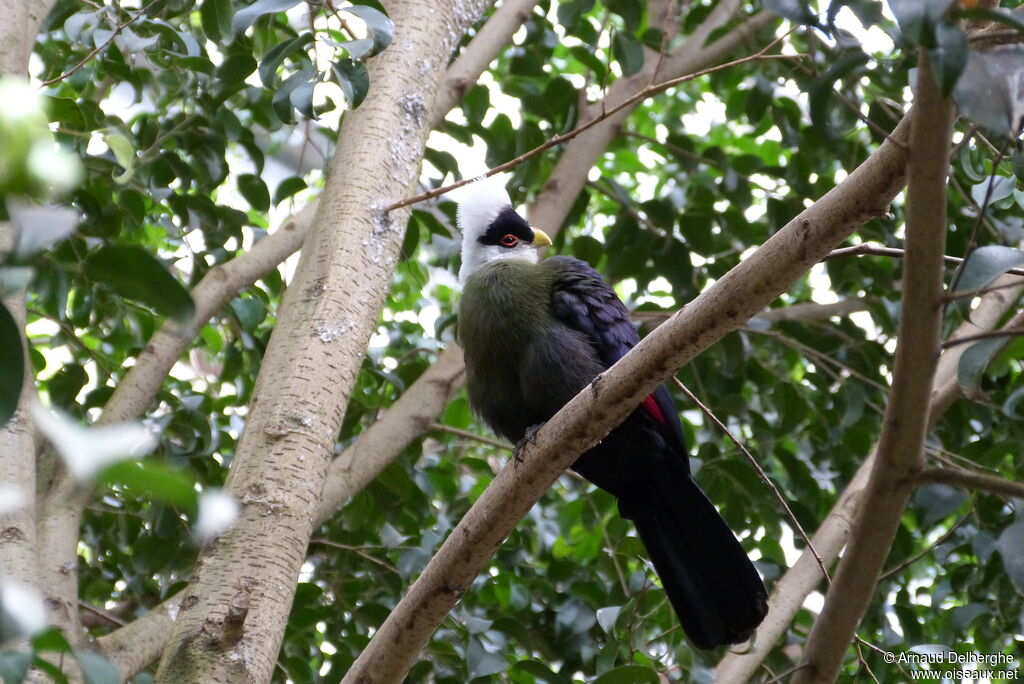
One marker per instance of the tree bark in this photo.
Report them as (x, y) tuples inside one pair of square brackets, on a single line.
[(327, 317), (900, 453), (788, 594), (726, 305)]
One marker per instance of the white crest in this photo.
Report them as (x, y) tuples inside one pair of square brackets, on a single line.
[(480, 202)]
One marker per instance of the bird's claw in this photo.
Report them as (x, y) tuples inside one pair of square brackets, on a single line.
[(529, 438)]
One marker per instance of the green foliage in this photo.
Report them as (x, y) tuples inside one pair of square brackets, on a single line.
[(182, 121)]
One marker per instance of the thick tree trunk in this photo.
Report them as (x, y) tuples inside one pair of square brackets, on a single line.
[(234, 612)]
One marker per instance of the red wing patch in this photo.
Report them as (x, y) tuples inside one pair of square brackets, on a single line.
[(650, 404)]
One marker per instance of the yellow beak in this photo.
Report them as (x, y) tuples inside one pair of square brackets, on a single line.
[(540, 238)]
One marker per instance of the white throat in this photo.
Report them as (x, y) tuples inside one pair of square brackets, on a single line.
[(475, 255)]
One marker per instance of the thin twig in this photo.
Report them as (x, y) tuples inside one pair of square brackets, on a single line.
[(561, 138), (99, 48), (760, 473), (969, 479), (904, 564), (868, 249), (99, 612), (356, 550), (966, 339), (440, 427), (982, 209)]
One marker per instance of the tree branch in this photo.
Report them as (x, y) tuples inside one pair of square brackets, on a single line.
[(561, 138), (878, 250), (315, 352), (790, 591), (900, 453), (489, 42), (404, 422), (726, 305), (968, 479)]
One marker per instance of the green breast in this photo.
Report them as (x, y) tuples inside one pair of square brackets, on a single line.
[(505, 305)]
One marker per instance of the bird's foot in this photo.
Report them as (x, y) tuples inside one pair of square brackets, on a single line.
[(530, 437)]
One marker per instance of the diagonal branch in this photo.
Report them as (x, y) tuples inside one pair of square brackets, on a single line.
[(725, 306), (789, 592)]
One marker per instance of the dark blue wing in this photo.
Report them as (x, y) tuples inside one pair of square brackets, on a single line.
[(584, 301)]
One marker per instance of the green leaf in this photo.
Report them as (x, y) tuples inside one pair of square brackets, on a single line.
[(153, 479), (949, 57), (247, 16), (353, 78), (1011, 548), (540, 672), (12, 365), (632, 12), (821, 91), (481, 663), (1012, 406), (918, 17), (14, 666), (215, 16), (236, 68), (795, 11), (134, 273), (273, 59), (66, 383), (287, 188), (937, 501), (629, 674), (992, 189), (628, 52), (987, 263), (570, 12), (973, 363), (379, 25), (96, 669), (988, 93), (51, 640), (124, 152), (254, 190)]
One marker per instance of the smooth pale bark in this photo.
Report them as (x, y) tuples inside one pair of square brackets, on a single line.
[(234, 611)]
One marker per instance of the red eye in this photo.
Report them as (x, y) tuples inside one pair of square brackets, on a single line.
[(509, 240)]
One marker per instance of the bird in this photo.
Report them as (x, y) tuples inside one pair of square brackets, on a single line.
[(534, 333)]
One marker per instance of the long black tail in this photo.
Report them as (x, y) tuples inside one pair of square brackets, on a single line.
[(712, 585)]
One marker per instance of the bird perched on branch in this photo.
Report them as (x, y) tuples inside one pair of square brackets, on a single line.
[(534, 334)]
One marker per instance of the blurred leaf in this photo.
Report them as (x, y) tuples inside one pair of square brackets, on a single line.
[(975, 359), (135, 274), (247, 16), (795, 11), (12, 365), (949, 57), (96, 669), (13, 666), (628, 52), (987, 263), (66, 383), (990, 93), (629, 674), (1011, 549), (255, 192), (380, 26), (938, 501), (153, 479), (917, 18)]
